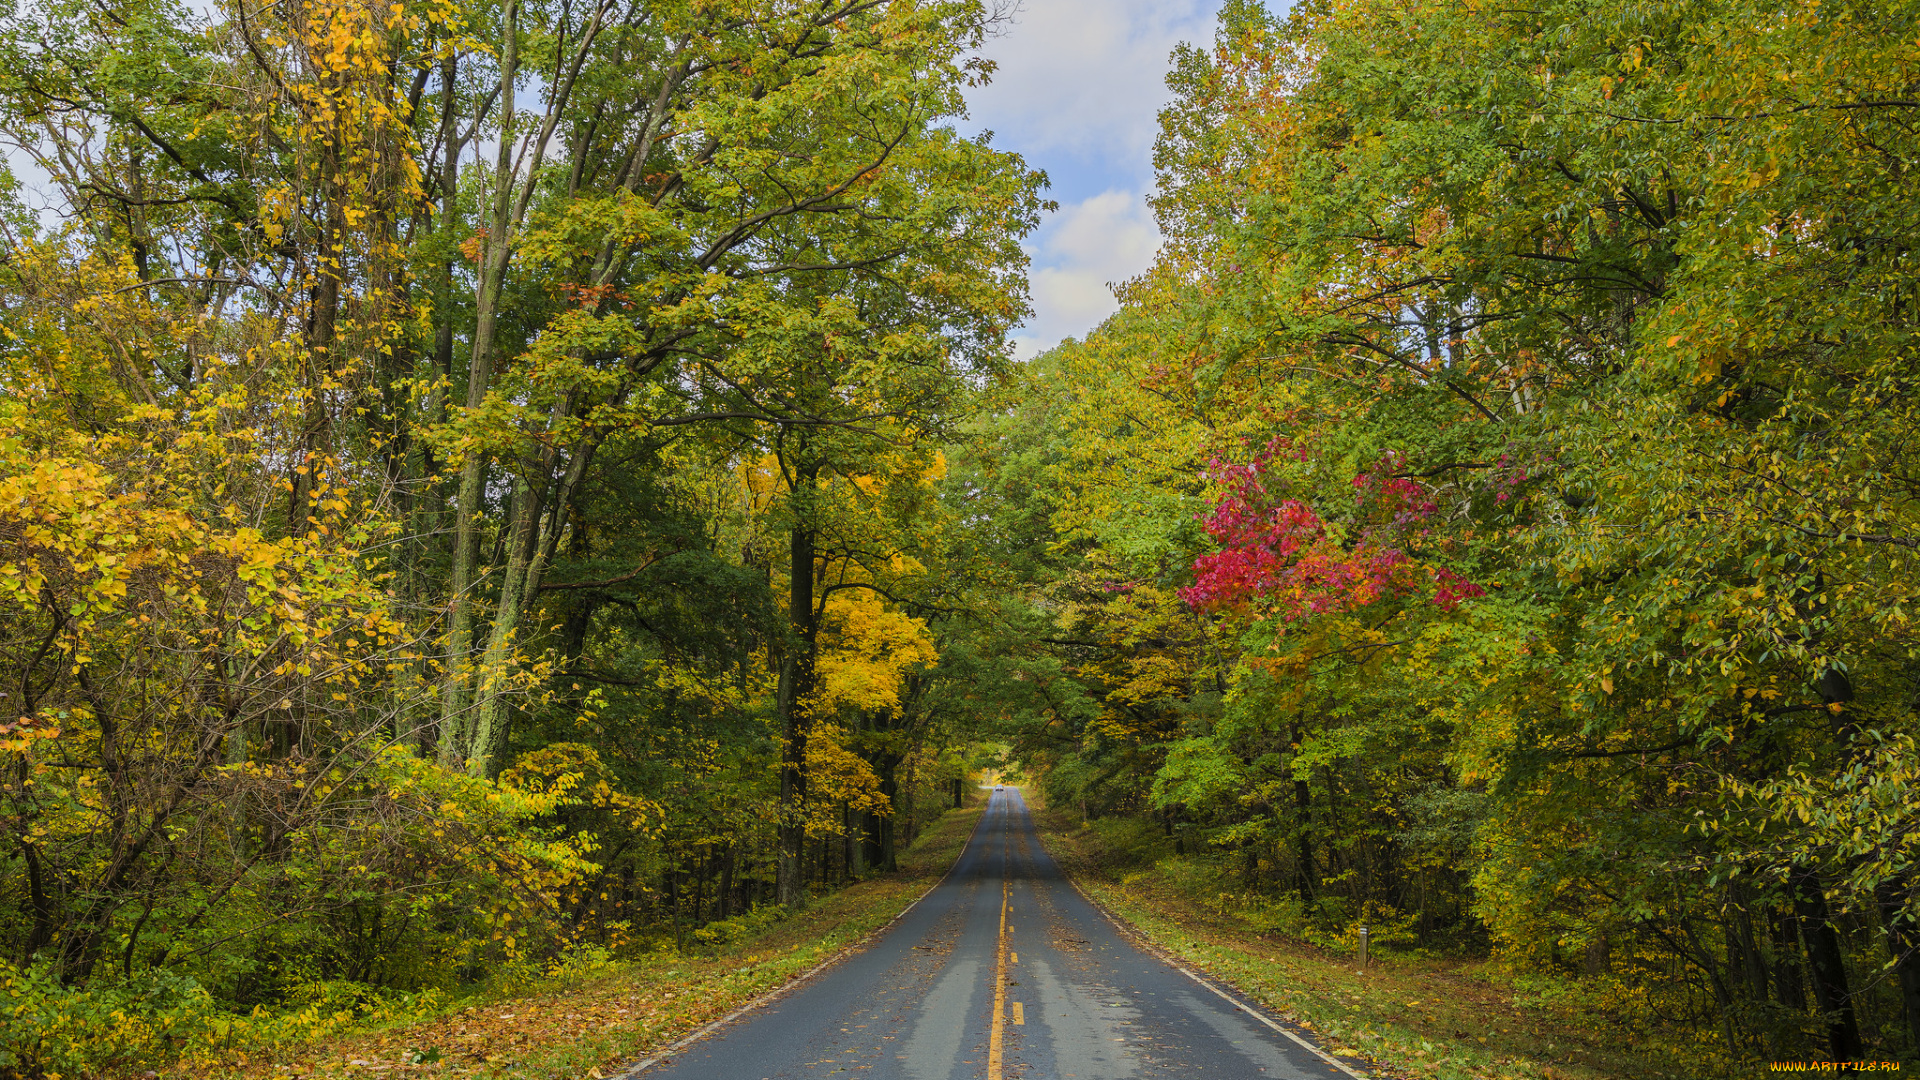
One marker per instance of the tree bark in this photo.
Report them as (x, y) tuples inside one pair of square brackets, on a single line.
[(1827, 964), (487, 744), (456, 744), (878, 837), (322, 319), (1743, 948), (1788, 986), (1303, 834), (794, 698), (849, 870), (430, 507), (1903, 948)]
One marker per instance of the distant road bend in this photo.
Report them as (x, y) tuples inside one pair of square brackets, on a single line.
[(1003, 972)]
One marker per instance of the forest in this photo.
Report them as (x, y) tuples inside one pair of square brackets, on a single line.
[(484, 482)]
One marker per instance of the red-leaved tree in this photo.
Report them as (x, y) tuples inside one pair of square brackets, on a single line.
[(1281, 559)]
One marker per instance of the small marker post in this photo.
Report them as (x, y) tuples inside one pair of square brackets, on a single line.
[(1363, 948)]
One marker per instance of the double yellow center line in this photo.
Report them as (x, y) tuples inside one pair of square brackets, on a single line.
[(997, 1036)]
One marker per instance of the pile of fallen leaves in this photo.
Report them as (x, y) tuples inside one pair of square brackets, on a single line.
[(635, 1009)]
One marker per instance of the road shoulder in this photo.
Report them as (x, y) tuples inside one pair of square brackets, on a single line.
[(1399, 1019)]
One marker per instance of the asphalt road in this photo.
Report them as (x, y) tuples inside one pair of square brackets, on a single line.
[(1004, 971)]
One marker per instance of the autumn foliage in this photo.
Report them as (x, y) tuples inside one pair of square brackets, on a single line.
[(482, 488), (1283, 557)]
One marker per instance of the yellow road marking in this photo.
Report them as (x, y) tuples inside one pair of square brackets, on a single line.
[(994, 1039), (1016, 958), (1019, 1015)]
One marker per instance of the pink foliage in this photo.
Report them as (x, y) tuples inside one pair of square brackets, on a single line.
[(1450, 588), (1507, 478), (1401, 500)]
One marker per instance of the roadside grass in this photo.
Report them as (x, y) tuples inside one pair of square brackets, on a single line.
[(1405, 1016), (592, 1019)]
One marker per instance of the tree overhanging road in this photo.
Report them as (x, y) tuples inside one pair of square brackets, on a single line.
[(1003, 971)]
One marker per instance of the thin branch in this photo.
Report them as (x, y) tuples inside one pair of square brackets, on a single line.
[(551, 586), (1443, 468), (179, 281), (1636, 750)]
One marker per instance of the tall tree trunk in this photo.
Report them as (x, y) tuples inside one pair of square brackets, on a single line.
[(489, 713), (1306, 876), (530, 549), (847, 846), (673, 902), (322, 318), (700, 885), (534, 535), (1825, 958), (1306, 873), (39, 905), (516, 180), (1903, 948), (431, 505), (1789, 988), (878, 833), (795, 696), (457, 744), (1828, 966), (1743, 948), (903, 805)]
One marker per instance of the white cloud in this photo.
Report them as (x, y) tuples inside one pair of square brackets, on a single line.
[(1085, 250), (1115, 227), (1078, 92), (1087, 77)]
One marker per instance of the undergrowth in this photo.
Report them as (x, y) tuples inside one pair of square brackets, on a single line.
[(1423, 1013), (565, 1014)]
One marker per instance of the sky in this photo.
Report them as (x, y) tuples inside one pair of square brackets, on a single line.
[(1078, 93)]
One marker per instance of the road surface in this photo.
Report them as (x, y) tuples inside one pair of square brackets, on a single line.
[(1003, 972)]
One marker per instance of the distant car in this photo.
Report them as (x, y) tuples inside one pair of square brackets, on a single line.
[(996, 787)]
